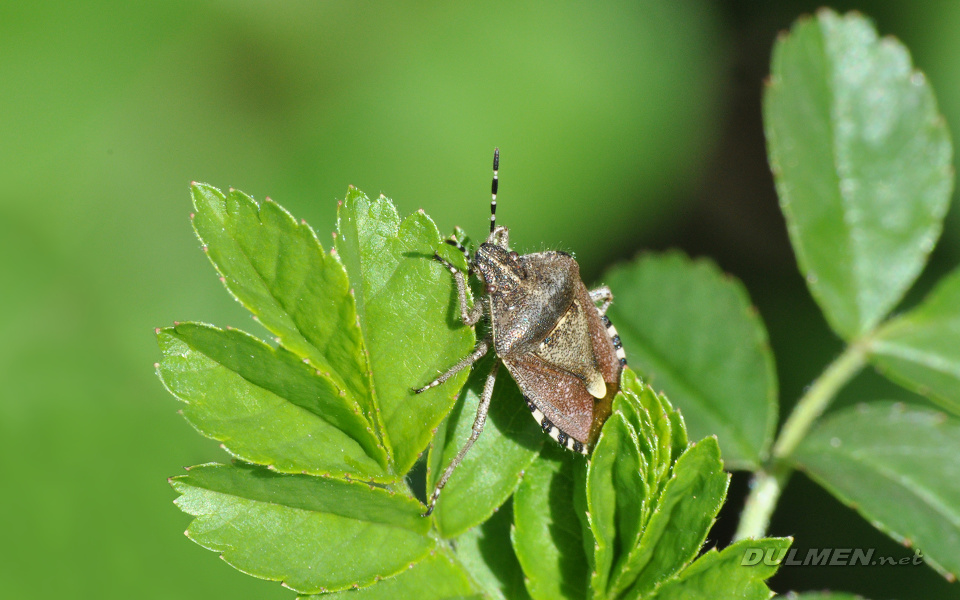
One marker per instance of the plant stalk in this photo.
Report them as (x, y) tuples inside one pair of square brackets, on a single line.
[(769, 481)]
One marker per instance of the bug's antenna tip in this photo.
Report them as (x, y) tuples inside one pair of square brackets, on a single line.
[(496, 158)]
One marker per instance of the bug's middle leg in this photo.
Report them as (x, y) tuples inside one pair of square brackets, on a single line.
[(482, 409), (465, 362)]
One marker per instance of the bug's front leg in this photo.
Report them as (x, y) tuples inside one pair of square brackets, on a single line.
[(468, 315)]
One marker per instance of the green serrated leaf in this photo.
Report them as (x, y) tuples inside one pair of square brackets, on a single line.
[(680, 522), (491, 471), (278, 270), (485, 552), (862, 162), (437, 577), (265, 404), (547, 534), (407, 305), (724, 575), (921, 349), (314, 534), (615, 498), (691, 332), (897, 465)]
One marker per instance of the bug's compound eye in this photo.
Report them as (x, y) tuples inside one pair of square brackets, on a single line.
[(491, 289)]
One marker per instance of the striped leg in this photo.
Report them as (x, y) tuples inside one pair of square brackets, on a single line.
[(493, 190), (478, 424), (468, 315), (604, 294), (465, 362)]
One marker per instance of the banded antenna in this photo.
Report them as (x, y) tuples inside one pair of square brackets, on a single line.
[(493, 190)]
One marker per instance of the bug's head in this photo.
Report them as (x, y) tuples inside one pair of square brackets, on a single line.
[(500, 268)]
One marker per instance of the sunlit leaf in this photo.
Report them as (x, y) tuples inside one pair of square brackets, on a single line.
[(680, 522), (862, 162), (265, 404), (408, 311), (312, 533), (547, 534), (724, 575), (277, 269), (437, 577)]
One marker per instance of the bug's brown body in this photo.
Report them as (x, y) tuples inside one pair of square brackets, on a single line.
[(553, 339), (546, 328)]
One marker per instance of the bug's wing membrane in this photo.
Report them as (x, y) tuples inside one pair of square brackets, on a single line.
[(560, 396)]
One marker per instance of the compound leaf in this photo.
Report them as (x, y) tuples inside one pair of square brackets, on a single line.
[(897, 465), (680, 522), (277, 269), (862, 162), (265, 404), (407, 306), (315, 534), (691, 332), (921, 349)]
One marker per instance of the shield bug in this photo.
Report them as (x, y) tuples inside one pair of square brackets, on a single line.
[(548, 331)]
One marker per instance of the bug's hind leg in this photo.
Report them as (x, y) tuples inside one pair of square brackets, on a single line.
[(478, 424), (602, 294), (468, 360)]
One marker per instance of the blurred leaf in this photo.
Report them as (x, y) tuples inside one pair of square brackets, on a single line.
[(491, 470), (283, 527), (861, 158), (921, 349), (277, 269), (690, 331), (723, 574), (820, 596), (406, 302), (897, 466), (547, 535), (436, 577), (266, 405), (486, 553), (680, 523)]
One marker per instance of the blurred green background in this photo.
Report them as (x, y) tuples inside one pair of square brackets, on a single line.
[(622, 126)]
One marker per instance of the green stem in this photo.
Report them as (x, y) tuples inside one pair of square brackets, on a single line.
[(768, 482)]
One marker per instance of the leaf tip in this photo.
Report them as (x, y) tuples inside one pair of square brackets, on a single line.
[(223, 279), (156, 365), (193, 216)]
